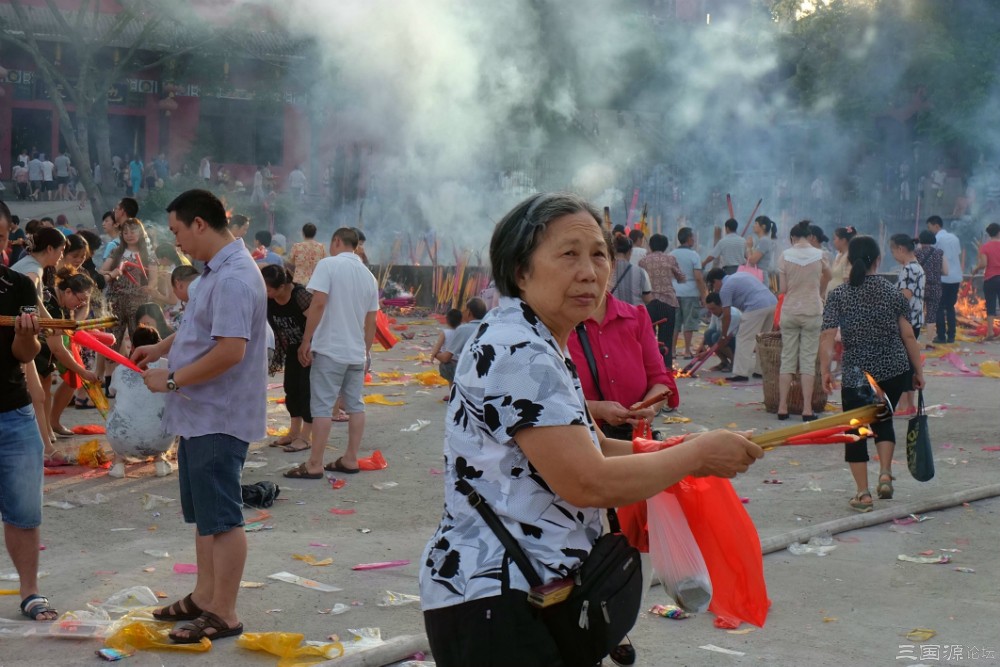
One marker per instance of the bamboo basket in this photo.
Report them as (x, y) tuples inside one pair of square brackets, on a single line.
[(769, 353)]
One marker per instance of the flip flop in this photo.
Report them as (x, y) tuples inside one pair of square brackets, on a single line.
[(56, 460), (279, 443), (338, 466), (35, 605), (342, 417), (290, 448), (182, 610), (300, 472)]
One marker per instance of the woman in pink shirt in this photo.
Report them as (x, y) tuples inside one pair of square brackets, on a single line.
[(989, 260)]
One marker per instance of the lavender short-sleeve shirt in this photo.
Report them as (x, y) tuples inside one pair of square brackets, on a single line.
[(230, 302)]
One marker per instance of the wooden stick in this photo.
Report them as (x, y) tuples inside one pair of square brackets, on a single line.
[(750, 220), (778, 437), (729, 205)]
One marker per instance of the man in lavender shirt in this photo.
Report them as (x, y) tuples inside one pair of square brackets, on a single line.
[(216, 383)]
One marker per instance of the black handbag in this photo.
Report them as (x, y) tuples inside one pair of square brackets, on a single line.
[(919, 456), (604, 593)]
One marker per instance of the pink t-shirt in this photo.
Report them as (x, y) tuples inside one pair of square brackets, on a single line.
[(991, 249)]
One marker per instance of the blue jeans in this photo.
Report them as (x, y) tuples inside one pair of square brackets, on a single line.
[(21, 459), (209, 469)]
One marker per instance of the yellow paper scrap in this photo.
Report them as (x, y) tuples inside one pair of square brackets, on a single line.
[(251, 584), (430, 379), (676, 420), (309, 559), (380, 399), (990, 368), (279, 432), (920, 634)]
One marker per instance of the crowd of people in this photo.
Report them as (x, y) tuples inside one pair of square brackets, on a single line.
[(546, 389)]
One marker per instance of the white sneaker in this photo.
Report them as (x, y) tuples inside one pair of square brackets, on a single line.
[(163, 468), (117, 471)]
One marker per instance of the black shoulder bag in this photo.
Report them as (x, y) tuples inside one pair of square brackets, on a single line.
[(590, 612), (618, 282)]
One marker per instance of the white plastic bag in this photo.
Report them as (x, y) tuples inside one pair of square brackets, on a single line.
[(676, 558)]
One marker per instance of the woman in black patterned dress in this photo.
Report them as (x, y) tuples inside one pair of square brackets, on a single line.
[(872, 315)]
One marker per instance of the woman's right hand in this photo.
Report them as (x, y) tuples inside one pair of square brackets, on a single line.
[(828, 383), (724, 454)]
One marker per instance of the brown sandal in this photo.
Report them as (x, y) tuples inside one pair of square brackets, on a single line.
[(291, 448), (198, 629), (182, 610)]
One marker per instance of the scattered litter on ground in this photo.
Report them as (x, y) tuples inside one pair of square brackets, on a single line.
[(252, 584), (920, 634), (151, 501), (156, 553), (340, 512), (185, 568), (925, 560), (381, 566), (338, 608), (913, 518), (250, 465), (415, 426), (390, 599), (965, 570), (382, 486), (719, 649), (670, 611), (819, 546), (309, 559), (295, 579), (289, 647)]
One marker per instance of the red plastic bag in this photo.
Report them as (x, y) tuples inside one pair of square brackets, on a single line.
[(776, 325), (374, 462), (730, 546), (383, 335)]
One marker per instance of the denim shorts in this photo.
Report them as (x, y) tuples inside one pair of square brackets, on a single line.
[(209, 468), (21, 472), (329, 379)]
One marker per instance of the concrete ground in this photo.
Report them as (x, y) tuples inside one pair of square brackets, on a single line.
[(852, 607)]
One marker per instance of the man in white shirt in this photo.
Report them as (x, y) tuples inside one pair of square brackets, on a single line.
[(48, 182), (297, 182), (950, 283), (35, 176), (730, 251), (340, 328), (639, 251)]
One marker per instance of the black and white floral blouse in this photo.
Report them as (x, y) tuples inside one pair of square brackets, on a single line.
[(868, 317), (912, 277), (513, 375)]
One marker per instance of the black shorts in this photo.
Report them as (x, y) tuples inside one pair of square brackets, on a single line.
[(49, 185), (499, 631), (62, 180), (858, 397), (296, 386)]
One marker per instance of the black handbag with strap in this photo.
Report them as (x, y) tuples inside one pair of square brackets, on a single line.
[(589, 613)]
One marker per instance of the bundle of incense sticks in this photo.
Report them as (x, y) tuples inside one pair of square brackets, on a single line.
[(652, 400), (73, 325), (821, 428)]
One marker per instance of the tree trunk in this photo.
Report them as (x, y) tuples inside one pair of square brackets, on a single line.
[(102, 140)]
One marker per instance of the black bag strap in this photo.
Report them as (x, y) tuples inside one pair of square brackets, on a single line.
[(920, 403), (588, 352), (506, 539), (618, 282)]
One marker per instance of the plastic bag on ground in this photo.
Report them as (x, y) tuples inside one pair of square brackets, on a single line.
[(374, 462), (289, 648), (142, 636), (128, 599), (675, 555), (730, 546)]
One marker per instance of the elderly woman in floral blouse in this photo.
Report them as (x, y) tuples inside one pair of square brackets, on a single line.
[(518, 431)]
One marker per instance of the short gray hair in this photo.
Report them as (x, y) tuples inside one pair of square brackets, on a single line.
[(520, 231)]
